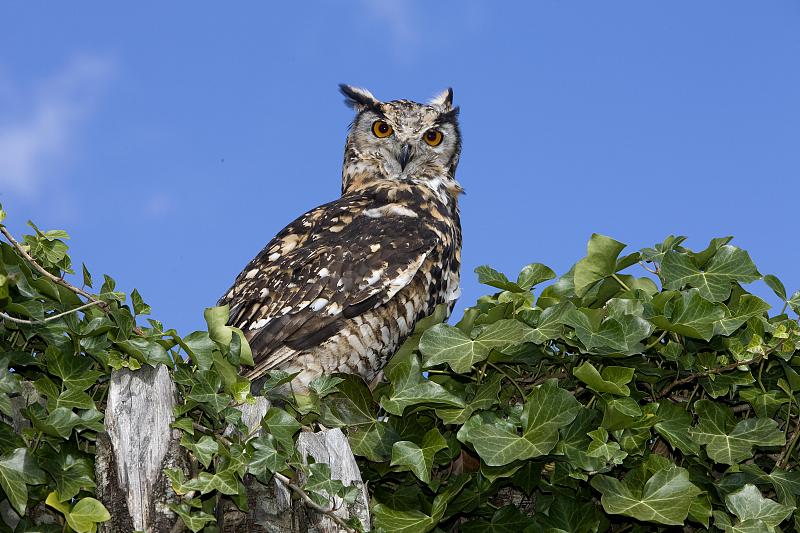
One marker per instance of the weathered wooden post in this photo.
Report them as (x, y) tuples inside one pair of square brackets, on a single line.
[(138, 444), (134, 450)]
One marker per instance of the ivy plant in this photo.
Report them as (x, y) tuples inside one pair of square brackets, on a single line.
[(640, 391)]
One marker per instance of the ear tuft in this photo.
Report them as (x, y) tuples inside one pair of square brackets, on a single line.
[(357, 98), (443, 100)]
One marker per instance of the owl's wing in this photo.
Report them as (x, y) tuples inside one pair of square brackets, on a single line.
[(332, 264)]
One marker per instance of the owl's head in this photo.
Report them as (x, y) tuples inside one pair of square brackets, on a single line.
[(402, 140)]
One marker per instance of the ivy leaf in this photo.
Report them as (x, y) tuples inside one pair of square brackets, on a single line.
[(75, 371), (17, 470), (72, 472), (86, 514), (498, 442), (534, 274), (507, 519), (325, 385), (200, 349), (281, 425), (419, 458), (145, 350), (351, 405), (594, 332), (692, 315), (728, 265), (748, 306), (664, 498), (446, 344), (728, 442), (139, 307), (674, 426), (266, 456), (599, 263), (204, 449), (749, 505), (613, 379), (489, 276), (409, 387), (776, 285), (194, 520), (416, 521)]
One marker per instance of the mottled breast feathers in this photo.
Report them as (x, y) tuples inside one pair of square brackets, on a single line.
[(334, 263)]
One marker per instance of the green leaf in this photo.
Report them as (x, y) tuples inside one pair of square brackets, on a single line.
[(18, 469), (613, 379), (145, 350), (489, 276), (373, 441), (72, 471), (75, 371), (325, 385), (87, 277), (266, 456), (599, 263), (728, 442), (351, 405), (409, 388), (194, 520), (200, 349), (498, 441), (675, 423), (139, 307), (534, 274), (776, 285), (594, 332), (419, 458), (217, 321), (204, 449), (748, 504), (727, 266), (281, 425), (664, 498), (692, 315), (86, 514), (747, 307)]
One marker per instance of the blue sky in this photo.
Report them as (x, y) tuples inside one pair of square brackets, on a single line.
[(175, 139)]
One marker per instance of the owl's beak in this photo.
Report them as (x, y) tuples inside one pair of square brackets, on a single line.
[(405, 156)]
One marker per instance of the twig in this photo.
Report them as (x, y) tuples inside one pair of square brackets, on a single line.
[(314, 505), (16, 320), (45, 273), (784, 458), (648, 269), (695, 375), (521, 393), (618, 280), (663, 334)]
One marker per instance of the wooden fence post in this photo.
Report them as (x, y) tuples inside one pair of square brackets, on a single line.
[(138, 444), (134, 450)]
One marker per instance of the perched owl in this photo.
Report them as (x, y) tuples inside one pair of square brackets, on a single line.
[(341, 287)]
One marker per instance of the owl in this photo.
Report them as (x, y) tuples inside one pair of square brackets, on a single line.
[(341, 287)]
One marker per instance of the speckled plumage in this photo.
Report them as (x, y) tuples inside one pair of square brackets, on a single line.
[(342, 286)]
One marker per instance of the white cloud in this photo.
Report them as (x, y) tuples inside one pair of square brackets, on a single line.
[(36, 139), (158, 205), (395, 16)]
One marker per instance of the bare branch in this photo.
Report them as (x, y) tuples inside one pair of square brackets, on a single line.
[(55, 279), (16, 320), (312, 504), (696, 375)]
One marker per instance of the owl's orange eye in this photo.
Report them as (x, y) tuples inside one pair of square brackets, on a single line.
[(381, 129), (433, 137)]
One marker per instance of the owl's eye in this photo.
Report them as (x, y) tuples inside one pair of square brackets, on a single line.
[(381, 129), (433, 137)]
